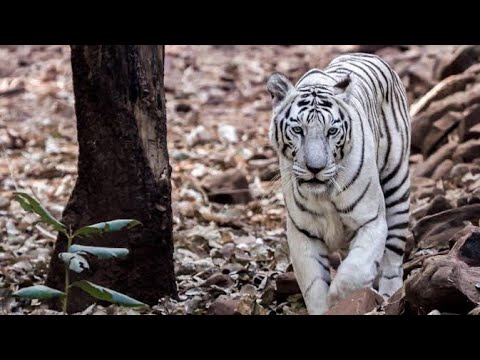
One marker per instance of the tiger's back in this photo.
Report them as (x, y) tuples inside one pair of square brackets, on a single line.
[(384, 98)]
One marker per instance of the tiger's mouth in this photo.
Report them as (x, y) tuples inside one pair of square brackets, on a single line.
[(313, 181)]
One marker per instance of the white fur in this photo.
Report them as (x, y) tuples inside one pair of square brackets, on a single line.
[(362, 231)]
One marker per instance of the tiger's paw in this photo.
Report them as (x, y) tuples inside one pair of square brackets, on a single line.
[(345, 283), (339, 291), (388, 286)]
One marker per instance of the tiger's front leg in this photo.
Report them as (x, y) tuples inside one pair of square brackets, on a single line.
[(311, 267), (361, 265)]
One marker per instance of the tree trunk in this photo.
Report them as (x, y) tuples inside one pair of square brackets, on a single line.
[(123, 171)]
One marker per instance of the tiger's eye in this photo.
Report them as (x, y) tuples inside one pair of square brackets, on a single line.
[(297, 130), (332, 131)]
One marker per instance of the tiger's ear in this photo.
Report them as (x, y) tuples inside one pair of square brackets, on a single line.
[(279, 86), (343, 87)]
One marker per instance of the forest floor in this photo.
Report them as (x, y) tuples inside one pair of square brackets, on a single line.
[(229, 217)]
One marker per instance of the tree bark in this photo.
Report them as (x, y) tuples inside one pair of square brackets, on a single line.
[(123, 171)]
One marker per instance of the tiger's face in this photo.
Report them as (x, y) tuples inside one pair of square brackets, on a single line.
[(310, 128)]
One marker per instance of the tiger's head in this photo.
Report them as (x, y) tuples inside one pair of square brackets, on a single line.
[(310, 126)]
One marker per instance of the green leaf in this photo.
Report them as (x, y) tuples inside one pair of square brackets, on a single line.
[(103, 293), (40, 292), (100, 252), (109, 226), (75, 262), (30, 204)]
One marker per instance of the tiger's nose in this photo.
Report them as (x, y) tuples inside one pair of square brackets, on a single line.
[(314, 170)]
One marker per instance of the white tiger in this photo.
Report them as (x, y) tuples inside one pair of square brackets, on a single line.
[(343, 140)]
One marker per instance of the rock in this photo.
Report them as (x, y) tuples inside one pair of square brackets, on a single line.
[(475, 311), (223, 305), (267, 168), (228, 134), (409, 246), (436, 230), (439, 131), (268, 295), (448, 86), (458, 172), (429, 192), (470, 118), (438, 204), (420, 183), (371, 48), (358, 303), (464, 57), (231, 268), (396, 303), (469, 199), (415, 67), (45, 312), (186, 269), (183, 107), (427, 168), (198, 135), (419, 212), (287, 284), (248, 305), (221, 280), (460, 234), (416, 159), (229, 188), (443, 169), (423, 122), (418, 261), (4, 202), (467, 151), (473, 132), (447, 282), (227, 250)]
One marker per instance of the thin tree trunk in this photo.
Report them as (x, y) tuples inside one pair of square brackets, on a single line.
[(123, 170)]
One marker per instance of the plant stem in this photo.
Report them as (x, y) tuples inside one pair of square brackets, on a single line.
[(67, 278), (65, 299)]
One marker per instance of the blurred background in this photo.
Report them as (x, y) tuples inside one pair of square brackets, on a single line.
[(228, 210)]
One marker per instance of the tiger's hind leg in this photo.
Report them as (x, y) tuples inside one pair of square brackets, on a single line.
[(395, 182), (390, 277)]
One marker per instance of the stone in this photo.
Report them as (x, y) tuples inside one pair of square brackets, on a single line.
[(427, 168), (435, 230), (223, 305), (423, 122), (358, 303), (448, 282), (439, 131), (470, 119), (467, 151), (199, 135), (448, 86), (221, 280), (227, 134), (438, 204), (464, 57), (395, 305), (287, 284), (442, 170), (231, 187)]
